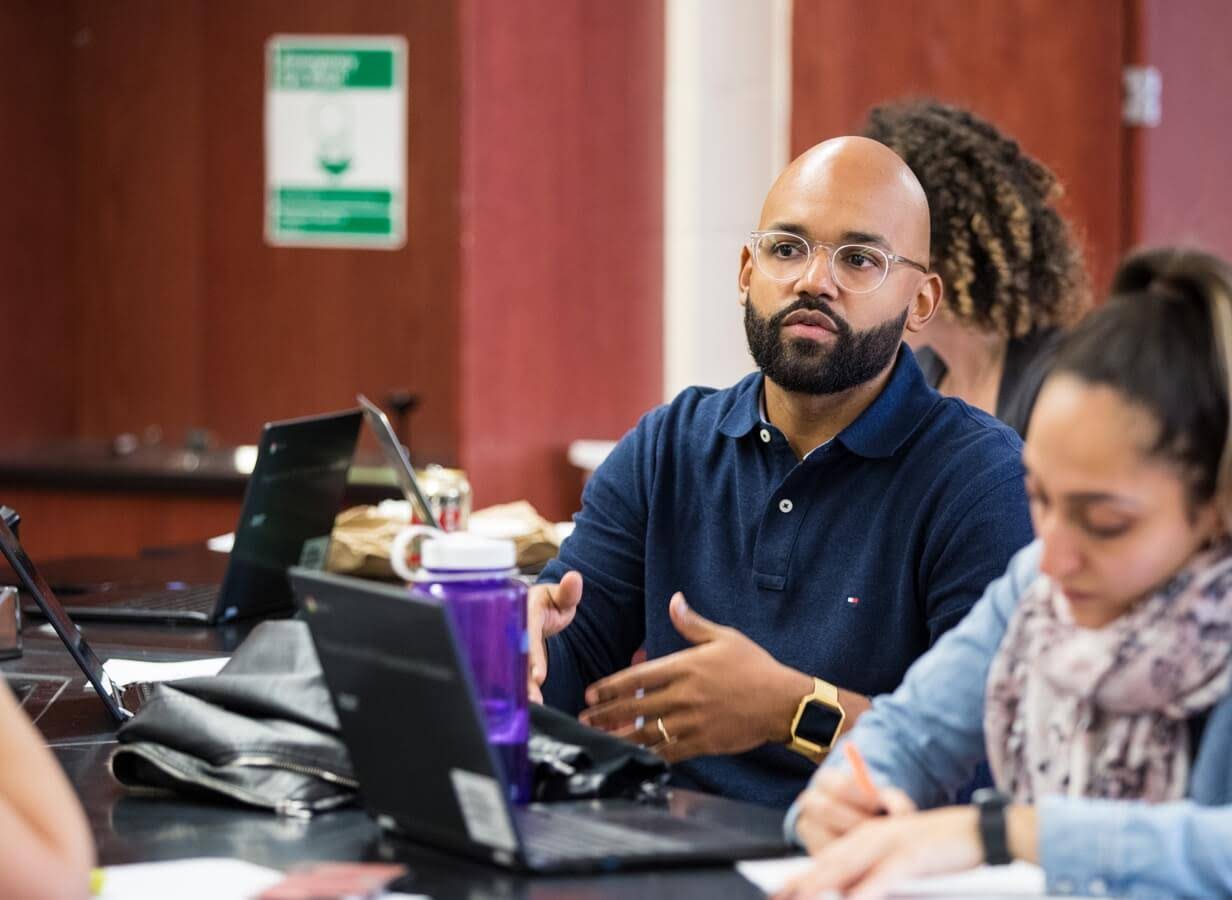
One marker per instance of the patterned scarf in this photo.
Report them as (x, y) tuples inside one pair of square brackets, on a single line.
[(1104, 712)]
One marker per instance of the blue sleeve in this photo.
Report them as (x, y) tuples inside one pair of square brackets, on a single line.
[(1125, 848), (972, 545), (928, 736), (608, 548)]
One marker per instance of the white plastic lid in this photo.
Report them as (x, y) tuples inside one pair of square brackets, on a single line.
[(460, 550)]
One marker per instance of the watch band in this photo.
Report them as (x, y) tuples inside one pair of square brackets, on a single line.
[(815, 746), (991, 805)]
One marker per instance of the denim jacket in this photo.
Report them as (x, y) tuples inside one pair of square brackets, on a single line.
[(928, 736)]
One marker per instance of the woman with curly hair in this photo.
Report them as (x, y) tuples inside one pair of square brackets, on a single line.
[(1013, 273)]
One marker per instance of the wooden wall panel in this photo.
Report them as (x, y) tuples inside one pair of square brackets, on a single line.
[(290, 331), (525, 308), (562, 251), (36, 348), (185, 316), (1047, 71), (136, 223)]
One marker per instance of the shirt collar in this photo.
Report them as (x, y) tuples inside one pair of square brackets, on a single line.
[(877, 432), (889, 420), (745, 412)]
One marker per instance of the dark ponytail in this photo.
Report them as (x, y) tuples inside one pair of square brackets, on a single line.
[(1164, 341)]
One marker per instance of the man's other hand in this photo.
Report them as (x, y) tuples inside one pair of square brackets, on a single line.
[(723, 695), (549, 610)]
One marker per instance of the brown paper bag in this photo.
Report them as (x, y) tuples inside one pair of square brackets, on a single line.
[(363, 534)]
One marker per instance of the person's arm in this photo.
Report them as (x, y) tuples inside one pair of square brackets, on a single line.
[(607, 548), (1085, 846), (1121, 847), (45, 844), (927, 737)]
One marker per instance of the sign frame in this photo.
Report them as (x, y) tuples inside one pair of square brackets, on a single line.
[(350, 87)]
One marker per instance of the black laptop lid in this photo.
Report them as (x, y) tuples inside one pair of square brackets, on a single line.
[(64, 626), (293, 495), (395, 455), (409, 715)]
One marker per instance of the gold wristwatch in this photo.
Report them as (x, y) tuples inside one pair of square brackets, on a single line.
[(818, 721)]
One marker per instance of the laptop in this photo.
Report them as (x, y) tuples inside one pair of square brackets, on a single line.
[(415, 732), (121, 703), (395, 455), (293, 495)]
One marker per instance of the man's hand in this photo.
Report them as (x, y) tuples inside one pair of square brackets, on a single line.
[(834, 803), (549, 610), (723, 695)]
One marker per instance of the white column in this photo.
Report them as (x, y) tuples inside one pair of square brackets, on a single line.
[(727, 117)]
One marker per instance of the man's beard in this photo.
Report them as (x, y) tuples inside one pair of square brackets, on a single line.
[(804, 366)]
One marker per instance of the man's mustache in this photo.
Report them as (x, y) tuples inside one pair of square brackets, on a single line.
[(813, 304)]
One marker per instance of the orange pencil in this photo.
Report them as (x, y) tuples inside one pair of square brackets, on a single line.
[(860, 769)]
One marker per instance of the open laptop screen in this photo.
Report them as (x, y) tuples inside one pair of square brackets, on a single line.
[(392, 449), (59, 619)]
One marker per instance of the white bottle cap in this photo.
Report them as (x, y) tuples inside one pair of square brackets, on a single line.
[(461, 551)]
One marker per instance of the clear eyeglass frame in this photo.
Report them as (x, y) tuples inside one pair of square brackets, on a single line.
[(756, 239)]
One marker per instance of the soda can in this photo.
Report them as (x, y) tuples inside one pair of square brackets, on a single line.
[(449, 495)]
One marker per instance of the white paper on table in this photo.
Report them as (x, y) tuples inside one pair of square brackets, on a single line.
[(198, 879), (1019, 879), (126, 671), (188, 879), (771, 874), (222, 543)]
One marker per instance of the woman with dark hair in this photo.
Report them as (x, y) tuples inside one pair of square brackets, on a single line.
[(1013, 273), (1097, 673)]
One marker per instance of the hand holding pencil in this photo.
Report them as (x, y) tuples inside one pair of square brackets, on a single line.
[(837, 800)]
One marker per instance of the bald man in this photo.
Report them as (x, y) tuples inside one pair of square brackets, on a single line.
[(786, 548)]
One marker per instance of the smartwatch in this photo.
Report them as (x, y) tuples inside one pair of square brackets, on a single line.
[(819, 719), (991, 805)]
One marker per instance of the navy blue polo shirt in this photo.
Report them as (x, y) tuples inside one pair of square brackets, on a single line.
[(847, 565)]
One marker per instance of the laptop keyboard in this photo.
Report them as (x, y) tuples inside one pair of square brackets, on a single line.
[(563, 835), (194, 599)]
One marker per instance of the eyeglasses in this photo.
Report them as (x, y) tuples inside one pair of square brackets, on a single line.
[(856, 268)]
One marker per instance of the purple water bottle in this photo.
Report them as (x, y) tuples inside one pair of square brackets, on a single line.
[(473, 578)]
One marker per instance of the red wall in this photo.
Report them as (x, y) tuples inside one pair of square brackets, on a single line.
[(136, 287), (183, 315), (1046, 71), (36, 336), (1185, 191), (561, 317)]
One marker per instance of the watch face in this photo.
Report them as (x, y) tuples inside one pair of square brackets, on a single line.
[(990, 796), (819, 723)]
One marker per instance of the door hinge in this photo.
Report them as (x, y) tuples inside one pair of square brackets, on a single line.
[(1144, 87)]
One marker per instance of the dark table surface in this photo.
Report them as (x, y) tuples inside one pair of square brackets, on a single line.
[(131, 828)]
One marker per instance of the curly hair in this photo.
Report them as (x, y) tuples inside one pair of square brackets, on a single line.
[(1008, 259)]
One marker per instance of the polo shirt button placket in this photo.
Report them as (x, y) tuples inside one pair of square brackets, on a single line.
[(785, 506)]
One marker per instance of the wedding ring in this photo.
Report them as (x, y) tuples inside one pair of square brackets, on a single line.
[(667, 738)]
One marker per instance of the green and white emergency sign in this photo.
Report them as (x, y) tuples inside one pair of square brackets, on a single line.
[(335, 141)]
